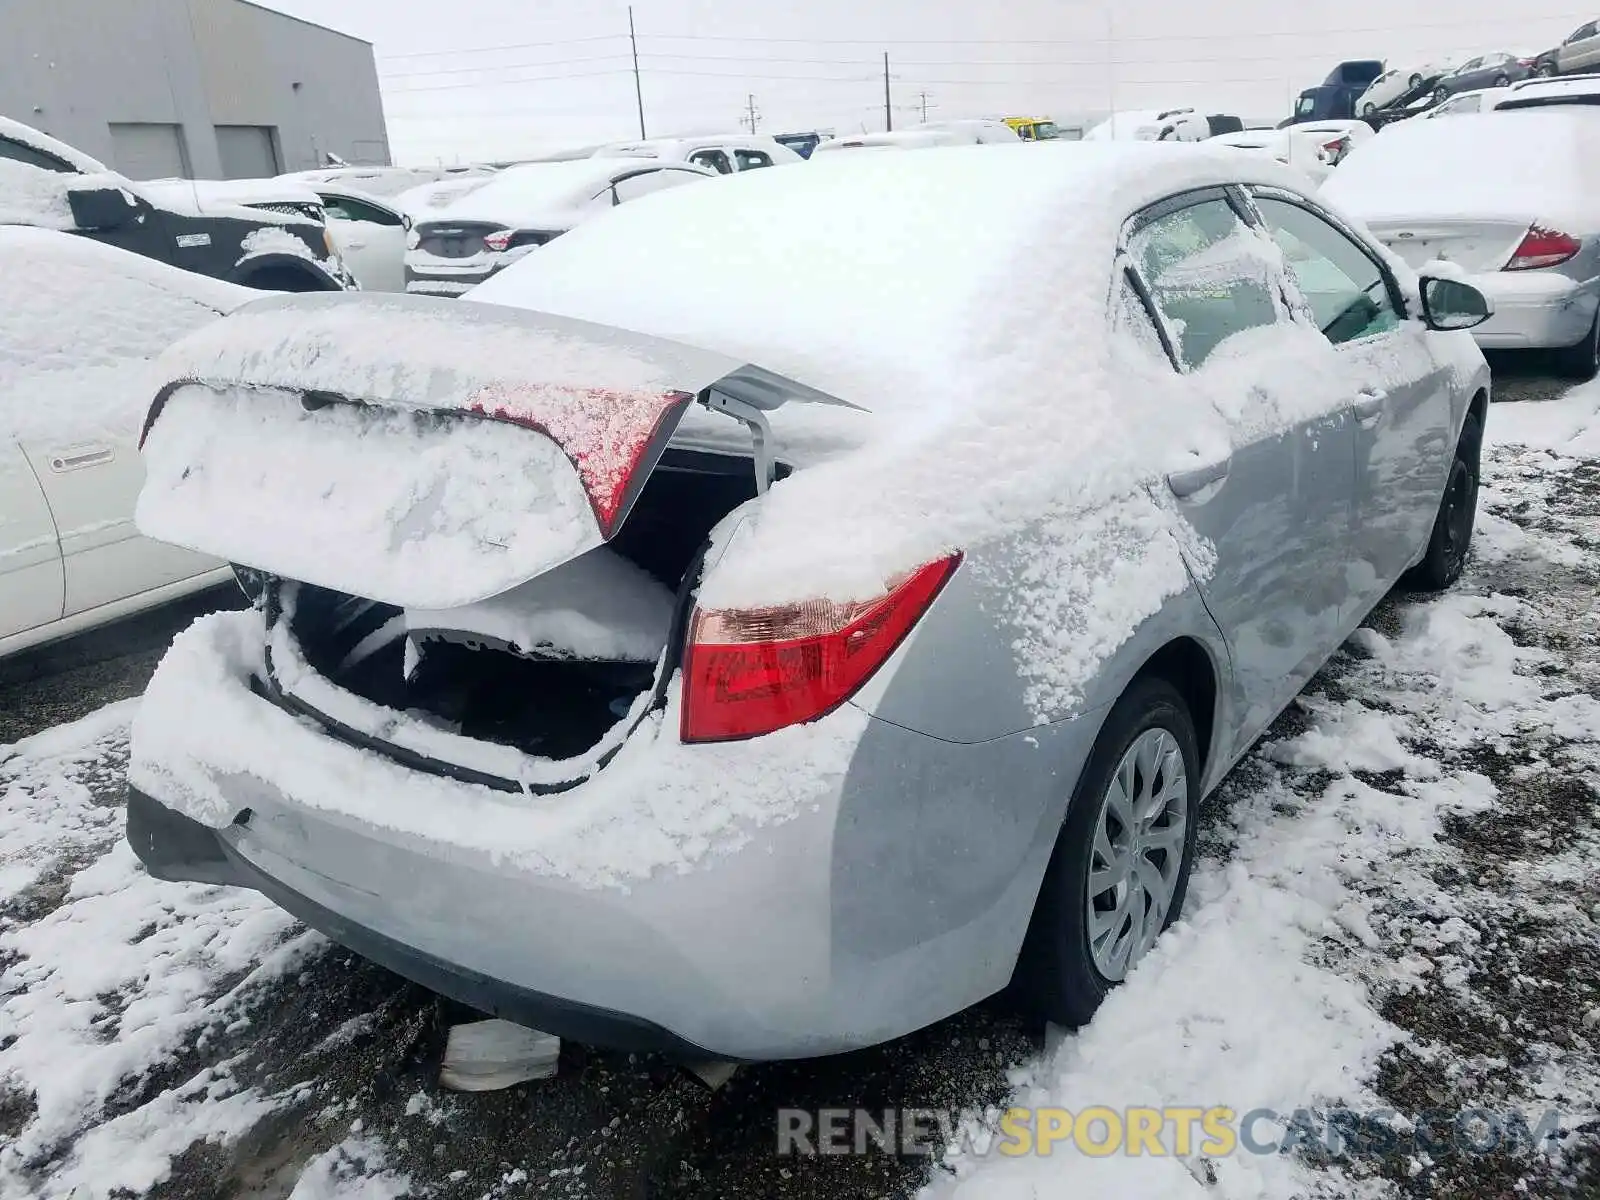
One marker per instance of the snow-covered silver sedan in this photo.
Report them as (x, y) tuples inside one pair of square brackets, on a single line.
[(783, 613)]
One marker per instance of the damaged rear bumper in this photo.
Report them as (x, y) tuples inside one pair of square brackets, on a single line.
[(826, 888), (174, 847)]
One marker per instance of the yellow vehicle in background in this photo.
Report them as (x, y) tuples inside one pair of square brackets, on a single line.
[(1034, 129)]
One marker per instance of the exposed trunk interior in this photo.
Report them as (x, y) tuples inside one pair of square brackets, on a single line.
[(549, 705)]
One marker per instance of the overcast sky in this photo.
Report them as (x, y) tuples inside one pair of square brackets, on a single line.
[(495, 78)]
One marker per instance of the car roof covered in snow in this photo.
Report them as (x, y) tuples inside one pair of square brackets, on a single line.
[(78, 319), (682, 147), (553, 189), (883, 279), (29, 136)]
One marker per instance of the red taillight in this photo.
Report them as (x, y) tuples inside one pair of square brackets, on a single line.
[(499, 240), (750, 671), (1542, 247)]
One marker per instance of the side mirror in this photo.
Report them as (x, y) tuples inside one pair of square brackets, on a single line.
[(1453, 304), (406, 222), (101, 208)]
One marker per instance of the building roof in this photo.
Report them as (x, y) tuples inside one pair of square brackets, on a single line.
[(278, 12)]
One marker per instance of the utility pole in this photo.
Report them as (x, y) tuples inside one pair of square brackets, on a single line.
[(638, 87), (751, 116), (888, 105), (923, 103)]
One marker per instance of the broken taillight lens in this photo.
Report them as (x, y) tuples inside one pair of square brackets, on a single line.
[(751, 671), (1542, 247)]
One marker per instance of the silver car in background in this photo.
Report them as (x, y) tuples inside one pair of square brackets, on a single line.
[(665, 659), (1507, 198), (459, 244)]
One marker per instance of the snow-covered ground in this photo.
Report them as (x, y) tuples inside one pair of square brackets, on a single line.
[(1396, 908)]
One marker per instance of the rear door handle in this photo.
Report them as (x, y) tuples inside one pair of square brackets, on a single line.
[(1187, 483), (1369, 406), (79, 458)]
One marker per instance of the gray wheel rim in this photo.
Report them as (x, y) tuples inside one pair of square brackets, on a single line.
[(1137, 852)]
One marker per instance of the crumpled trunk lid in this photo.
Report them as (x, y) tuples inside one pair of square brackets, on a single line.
[(419, 454)]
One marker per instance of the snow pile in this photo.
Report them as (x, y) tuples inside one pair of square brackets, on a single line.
[(1569, 426), (79, 323), (355, 1169), (270, 239), (599, 606)]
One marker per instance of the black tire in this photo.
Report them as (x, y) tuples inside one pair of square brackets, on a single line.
[(1547, 70), (1415, 82), (1502, 81), (1581, 361), (285, 279), (1451, 538), (1056, 978), (1440, 95)]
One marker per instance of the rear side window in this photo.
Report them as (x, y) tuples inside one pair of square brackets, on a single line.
[(1206, 276), (1345, 287), (749, 160), (715, 159), (347, 208), (17, 152)]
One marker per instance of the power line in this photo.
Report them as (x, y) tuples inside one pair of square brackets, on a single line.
[(1510, 22), (578, 41)]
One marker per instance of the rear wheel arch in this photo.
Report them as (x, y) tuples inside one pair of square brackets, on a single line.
[(285, 274), (1188, 666)]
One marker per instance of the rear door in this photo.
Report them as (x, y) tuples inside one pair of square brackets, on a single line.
[(1400, 394), (1581, 49), (371, 240), (1277, 509), (31, 576)]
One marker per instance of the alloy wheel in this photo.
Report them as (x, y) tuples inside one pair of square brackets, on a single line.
[(1137, 853)]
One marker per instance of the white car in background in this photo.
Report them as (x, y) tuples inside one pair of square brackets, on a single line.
[(79, 323), (1463, 103), (370, 234), (982, 133), (1526, 233), (1393, 85), (456, 246), (1338, 138), (1292, 147), (1152, 125), (907, 139), (723, 153), (382, 182)]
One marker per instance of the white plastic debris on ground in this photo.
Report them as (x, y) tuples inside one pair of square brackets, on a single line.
[(79, 322)]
